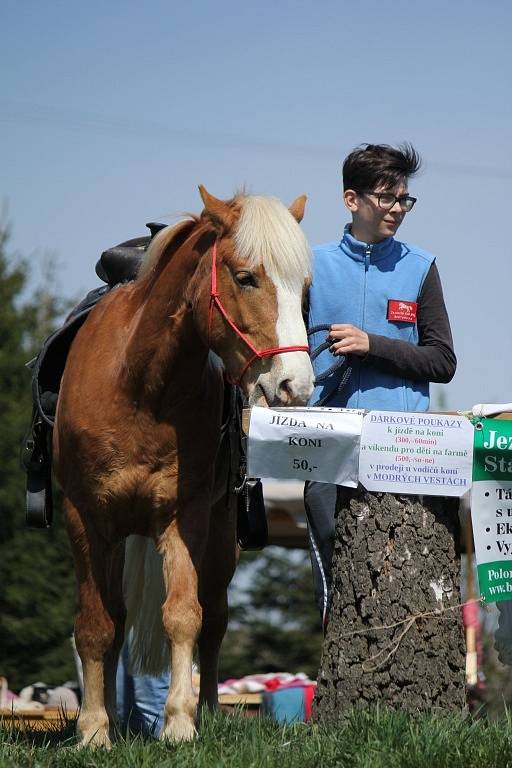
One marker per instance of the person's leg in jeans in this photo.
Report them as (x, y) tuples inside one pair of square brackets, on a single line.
[(140, 699), (150, 694), (124, 692)]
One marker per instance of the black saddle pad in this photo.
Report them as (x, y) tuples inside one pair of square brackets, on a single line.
[(48, 366), (117, 265)]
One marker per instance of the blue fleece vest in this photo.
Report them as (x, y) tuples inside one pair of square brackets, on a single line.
[(352, 283)]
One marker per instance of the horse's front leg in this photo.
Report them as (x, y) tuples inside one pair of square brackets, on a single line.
[(217, 570), (182, 546)]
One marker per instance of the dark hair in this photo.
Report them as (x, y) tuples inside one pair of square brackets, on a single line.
[(372, 165)]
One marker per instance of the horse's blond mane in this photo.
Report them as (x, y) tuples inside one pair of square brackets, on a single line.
[(161, 242), (268, 234)]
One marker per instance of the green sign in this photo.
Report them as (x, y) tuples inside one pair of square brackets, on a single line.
[(492, 459), (491, 508)]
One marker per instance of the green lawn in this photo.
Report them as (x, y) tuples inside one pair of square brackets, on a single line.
[(366, 740)]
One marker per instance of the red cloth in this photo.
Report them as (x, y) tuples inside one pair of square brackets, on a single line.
[(471, 619), (471, 614)]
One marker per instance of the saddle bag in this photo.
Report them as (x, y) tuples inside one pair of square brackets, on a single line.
[(36, 460), (252, 528)]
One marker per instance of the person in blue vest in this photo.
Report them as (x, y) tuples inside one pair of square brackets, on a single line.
[(383, 330)]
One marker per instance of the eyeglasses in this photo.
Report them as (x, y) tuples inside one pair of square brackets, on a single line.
[(387, 200)]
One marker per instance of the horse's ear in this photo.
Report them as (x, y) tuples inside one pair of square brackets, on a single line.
[(219, 212), (297, 208)]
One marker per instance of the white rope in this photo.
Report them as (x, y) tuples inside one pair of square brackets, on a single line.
[(489, 409)]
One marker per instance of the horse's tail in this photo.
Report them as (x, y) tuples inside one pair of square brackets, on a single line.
[(144, 592)]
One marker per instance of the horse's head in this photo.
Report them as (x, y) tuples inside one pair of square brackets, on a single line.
[(248, 300)]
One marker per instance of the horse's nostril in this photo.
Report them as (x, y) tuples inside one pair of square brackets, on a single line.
[(286, 388), (294, 391)]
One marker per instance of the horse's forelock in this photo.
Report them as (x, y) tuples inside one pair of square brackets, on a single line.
[(162, 241), (268, 234)]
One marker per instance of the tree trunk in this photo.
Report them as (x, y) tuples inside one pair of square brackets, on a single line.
[(395, 558)]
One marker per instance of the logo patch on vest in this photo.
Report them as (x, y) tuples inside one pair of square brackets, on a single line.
[(402, 311)]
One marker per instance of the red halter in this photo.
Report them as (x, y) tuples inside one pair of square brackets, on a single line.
[(257, 354)]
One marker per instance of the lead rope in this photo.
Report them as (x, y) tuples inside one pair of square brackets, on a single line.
[(341, 362), (241, 474)]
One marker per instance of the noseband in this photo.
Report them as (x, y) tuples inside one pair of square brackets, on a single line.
[(257, 354)]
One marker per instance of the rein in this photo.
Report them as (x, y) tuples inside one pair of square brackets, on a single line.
[(257, 354), (341, 362)]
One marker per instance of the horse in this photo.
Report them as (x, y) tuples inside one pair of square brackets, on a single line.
[(218, 297)]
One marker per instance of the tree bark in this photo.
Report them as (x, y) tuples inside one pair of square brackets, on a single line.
[(395, 558)]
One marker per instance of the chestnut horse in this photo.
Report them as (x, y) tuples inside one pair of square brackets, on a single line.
[(137, 431)]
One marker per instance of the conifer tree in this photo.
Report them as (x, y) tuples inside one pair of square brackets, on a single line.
[(37, 592), (274, 622)]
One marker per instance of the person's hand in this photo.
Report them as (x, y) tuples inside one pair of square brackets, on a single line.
[(347, 339)]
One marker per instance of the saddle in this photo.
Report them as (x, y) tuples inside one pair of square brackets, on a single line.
[(116, 266)]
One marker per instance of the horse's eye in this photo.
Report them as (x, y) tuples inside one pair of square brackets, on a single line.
[(246, 280)]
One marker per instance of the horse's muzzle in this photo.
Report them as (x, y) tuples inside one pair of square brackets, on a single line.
[(284, 385)]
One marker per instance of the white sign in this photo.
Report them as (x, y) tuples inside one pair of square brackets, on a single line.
[(491, 505), (491, 513), (416, 453), (319, 444)]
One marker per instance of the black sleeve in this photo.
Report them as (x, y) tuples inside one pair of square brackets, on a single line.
[(433, 359), (305, 308)]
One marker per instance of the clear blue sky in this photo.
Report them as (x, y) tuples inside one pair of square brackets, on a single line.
[(112, 113)]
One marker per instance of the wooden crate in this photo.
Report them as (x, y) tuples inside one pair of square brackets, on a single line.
[(36, 719), (49, 719)]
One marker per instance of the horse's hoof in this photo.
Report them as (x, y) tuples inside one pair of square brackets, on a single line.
[(94, 738), (179, 728), (95, 742)]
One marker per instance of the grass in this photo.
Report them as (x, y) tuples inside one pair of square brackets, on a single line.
[(367, 739)]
